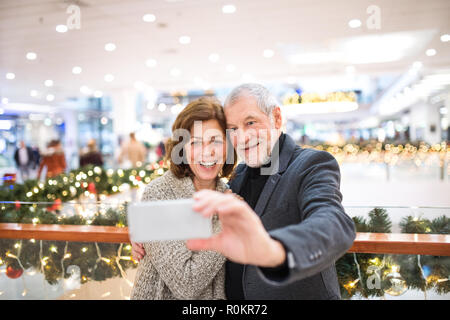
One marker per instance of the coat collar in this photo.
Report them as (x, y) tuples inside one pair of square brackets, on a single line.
[(185, 186), (280, 159)]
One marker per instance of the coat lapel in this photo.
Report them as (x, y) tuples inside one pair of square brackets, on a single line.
[(266, 193), (280, 159), (239, 178)]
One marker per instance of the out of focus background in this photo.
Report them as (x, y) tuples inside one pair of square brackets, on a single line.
[(81, 81)]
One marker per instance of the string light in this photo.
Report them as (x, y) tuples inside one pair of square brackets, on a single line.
[(44, 261)]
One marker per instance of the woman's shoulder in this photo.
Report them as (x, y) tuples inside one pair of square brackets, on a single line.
[(222, 185), (168, 187)]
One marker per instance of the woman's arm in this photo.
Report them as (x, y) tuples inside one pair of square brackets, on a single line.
[(187, 273)]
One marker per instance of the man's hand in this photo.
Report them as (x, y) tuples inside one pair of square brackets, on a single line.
[(243, 238), (137, 250)]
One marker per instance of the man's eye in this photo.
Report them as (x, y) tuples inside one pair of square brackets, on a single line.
[(250, 123)]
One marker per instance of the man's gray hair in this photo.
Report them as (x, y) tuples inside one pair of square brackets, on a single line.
[(264, 99)]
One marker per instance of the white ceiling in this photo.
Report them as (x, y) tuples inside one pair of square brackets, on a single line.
[(309, 29)]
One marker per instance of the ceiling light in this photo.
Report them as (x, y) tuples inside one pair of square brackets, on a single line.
[(268, 53), (76, 70), (5, 100), (430, 52), (176, 108), (50, 97), (229, 8), (150, 105), (445, 38), (213, 57), (98, 94), (185, 39), (33, 93), (31, 56), (374, 48), (162, 107), (110, 47), (354, 23), (61, 28), (48, 83), (108, 77), (149, 17), (314, 58), (151, 63), (10, 76)]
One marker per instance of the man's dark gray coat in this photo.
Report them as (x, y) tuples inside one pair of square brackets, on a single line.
[(300, 205)]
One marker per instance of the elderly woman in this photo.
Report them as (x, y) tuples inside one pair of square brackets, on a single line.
[(170, 270)]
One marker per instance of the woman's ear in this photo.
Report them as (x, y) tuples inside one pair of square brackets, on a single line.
[(276, 112)]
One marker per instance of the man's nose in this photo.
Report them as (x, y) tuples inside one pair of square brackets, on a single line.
[(242, 137)]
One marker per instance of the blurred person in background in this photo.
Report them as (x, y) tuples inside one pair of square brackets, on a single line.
[(24, 160), (132, 153), (161, 149), (36, 157), (92, 155), (54, 159)]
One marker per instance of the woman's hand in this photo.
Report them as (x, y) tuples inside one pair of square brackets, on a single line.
[(137, 250), (229, 191)]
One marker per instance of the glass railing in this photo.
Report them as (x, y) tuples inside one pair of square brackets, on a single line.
[(80, 250)]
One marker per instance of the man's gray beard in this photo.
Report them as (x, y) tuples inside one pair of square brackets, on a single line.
[(264, 161)]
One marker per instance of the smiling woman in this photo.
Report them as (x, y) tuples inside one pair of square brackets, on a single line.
[(196, 154), (199, 143)]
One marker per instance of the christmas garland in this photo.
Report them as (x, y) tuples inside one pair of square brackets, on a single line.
[(367, 275), (41, 203), (373, 275), (87, 181)]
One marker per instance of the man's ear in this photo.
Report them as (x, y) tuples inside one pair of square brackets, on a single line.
[(276, 112)]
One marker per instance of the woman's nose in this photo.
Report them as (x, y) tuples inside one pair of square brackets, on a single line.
[(209, 150)]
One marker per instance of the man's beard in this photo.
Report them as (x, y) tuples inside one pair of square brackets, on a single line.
[(258, 156)]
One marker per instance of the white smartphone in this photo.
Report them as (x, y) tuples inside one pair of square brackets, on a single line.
[(166, 220)]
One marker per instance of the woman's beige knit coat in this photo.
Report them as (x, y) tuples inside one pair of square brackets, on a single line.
[(169, 270)]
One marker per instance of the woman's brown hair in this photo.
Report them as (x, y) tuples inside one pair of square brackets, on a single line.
[(201, 109)]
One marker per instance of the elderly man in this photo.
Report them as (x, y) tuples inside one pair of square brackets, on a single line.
[(283, 240)]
